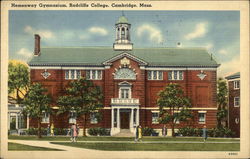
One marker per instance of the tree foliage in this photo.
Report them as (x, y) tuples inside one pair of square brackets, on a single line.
[(174, 106), (36, 103), (18, 80), (222, 101), (83, 97)]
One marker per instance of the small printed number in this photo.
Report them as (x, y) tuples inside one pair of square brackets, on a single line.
[(232, 153)]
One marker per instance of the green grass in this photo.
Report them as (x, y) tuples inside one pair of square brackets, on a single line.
[(154, 146), (64, 138), (21, 147)]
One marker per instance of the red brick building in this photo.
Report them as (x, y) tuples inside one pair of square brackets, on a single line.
[(130, 79), (234, 103)]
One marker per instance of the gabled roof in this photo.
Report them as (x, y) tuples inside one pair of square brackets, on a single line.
[(96, 56), (233, 76)]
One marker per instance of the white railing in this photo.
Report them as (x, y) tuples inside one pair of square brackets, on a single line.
[(128, 101)]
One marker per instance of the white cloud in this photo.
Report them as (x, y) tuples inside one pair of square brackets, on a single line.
[(98, 30), (154, 33), (209, 46), (25, 53), (200, 31), (229, 67), (223, 52), (43, 33)]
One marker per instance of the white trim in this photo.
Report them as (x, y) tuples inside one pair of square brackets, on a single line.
[(67, 68), (205, 116), (239, 102), (155, 111), (194, 108), (179, 68), (235, 79), (234, 83), (202, 111)]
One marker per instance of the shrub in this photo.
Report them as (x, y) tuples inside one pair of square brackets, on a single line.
[(98, 131), (33, 131), (148, 131), (188, 131), (220, 132), (60, 131)]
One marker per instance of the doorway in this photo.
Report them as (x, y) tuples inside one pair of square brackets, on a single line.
[(124, 120)]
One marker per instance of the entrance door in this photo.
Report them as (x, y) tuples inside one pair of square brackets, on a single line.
[(124, 120)]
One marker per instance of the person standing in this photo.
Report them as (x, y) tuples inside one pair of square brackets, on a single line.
[(164, 130), (139, 133), (48, 130), (52, 130), (74, 132), (204, 134)]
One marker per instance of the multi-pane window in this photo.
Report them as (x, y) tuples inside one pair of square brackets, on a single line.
[(94, 74), (93, 118), (237, 84), (175, 75), (124, 93), (155, 75), (72, 74), (155, 117), (236, 101), (45, 117), (202, 118), (72, 117)]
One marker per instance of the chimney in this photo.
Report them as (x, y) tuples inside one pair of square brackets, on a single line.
[(37, 45)]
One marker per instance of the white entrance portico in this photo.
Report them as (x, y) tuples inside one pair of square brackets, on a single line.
[(124, 114)]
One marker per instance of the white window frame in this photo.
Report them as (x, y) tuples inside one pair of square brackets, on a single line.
[(46, 117), (237, 84), (202, 122), (127, 88), (72, 117), (93, 119), (92, 74), (70, 74), (155, 119), (151, 75), (235, 102), (178, 75)]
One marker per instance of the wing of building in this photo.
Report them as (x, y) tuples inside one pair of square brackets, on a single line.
[(130, 79)]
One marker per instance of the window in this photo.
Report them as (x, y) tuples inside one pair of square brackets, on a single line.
[(237, 84), (236, 101), (123, 33), (175, 75), (45, 118), (93, 118), (155, 75), (72, 117), (202, 118), (124, 93), (125, 73), (155, 117), (72, 74), (94, 74), (237, 120)]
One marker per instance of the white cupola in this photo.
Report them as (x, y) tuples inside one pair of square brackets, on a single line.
[(122, 38)]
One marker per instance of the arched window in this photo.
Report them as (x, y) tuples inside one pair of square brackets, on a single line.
[(123, 33), (125, 73)]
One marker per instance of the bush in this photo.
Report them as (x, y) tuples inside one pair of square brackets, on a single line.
[(188, 131), (60, 131), (148, 131), (33, 131), (98, 131), (221, 132)]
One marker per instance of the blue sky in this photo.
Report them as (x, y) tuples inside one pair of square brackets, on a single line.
[(218, 31)]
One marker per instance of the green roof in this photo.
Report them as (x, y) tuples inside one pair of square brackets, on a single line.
[(197, 57), (233, 76), (122, 19)]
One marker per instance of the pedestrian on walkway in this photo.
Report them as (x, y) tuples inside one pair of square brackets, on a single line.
[(48, 130), (136, 133), (52, 129), (164, 130), (204, 134), (74, 132), (139, 133)]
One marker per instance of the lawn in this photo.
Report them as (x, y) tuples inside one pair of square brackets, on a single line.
[(21, 147), (64, 138), (154, 146)]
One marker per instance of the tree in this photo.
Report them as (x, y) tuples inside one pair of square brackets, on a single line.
[(83, 97), (36, 104), (222, 102), (18, 80), (172, 98)]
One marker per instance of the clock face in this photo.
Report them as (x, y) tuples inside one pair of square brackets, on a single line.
[(125, 73)]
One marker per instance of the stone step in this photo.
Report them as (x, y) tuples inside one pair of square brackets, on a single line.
[(125, 133)]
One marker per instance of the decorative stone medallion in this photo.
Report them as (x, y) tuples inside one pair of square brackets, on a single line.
[(201, 75), (125, 62), (45, 74)]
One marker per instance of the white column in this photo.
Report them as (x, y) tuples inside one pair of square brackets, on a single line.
[(118, 118), (137, 117), (112, 118), (16, 120), (28, 122)]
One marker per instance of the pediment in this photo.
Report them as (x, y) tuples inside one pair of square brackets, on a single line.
[(127, 55)]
